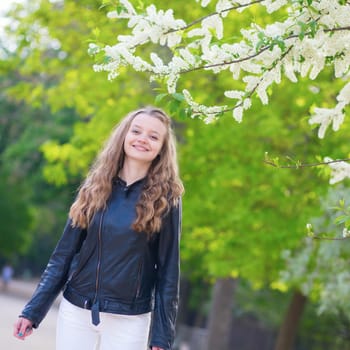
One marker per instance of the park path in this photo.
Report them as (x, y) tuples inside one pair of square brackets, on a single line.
[(11, 304)]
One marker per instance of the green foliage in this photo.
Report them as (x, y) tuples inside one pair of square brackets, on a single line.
[(239, 213), (62, 76), (344, 214), (265, 308), (320, 266), (15, 219), (26, 196)]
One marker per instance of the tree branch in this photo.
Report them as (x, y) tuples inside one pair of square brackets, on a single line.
[(304, 165), (293, 36), (227, 63), (330, 238), (251, 92), (213, 14)]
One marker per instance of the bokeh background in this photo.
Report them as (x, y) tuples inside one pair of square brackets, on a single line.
[(251, 278)]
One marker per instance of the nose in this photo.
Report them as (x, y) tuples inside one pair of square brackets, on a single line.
[(142, 138)]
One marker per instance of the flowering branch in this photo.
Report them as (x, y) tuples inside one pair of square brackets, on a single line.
[(340, 168), (298, 165), (313, 35), (199, 20), (250, 57)]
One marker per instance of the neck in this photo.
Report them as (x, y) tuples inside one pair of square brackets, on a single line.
[(133, 171)]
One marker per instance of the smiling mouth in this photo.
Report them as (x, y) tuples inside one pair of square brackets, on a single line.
[(140, 148)]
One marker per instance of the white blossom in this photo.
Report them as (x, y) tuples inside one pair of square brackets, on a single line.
[(339, 170), (236, 94), (261, 91), (238, 114), (325, 117), (344, 94), (156, 60), (209, 23), (126, 12), (222, 6), (274, 30), (346, 232), (187, 56), (295, 52), (128, 6), (213, 22), (93, 49), (274, 5), (314, 89), (171, 82), (251, 82), (247, 103), (112, 14), (204, 3), (208, 114)]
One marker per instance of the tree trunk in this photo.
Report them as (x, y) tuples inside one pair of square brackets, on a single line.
[(288, 330), (220, 317)]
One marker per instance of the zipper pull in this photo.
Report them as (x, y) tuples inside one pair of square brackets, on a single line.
[(95, 313)]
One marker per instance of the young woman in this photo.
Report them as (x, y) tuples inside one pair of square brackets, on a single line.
[(118, 257)]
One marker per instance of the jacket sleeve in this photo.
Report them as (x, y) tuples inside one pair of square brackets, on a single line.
[(167, 284), (55, 275)]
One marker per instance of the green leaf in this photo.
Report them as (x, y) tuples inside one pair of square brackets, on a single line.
[(160, 97), (341, 219), (178, 96), (96, 32)]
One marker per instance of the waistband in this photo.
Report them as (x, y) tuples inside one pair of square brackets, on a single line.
[(114, 306)]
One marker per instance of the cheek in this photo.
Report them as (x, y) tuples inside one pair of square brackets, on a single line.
[(127, 140), (158, 146)]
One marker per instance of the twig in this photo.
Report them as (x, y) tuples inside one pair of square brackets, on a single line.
[(305, 165), (330, 238), (213, 14)]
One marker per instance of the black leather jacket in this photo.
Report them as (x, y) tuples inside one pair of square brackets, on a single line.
[(110, 268)]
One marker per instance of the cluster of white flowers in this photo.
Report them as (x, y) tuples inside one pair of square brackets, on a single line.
[(335, 116), (346, 232), (340, 170), (208, 114), (310, 38), (154, 26)]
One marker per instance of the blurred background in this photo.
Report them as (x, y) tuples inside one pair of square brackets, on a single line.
[(251, 278)]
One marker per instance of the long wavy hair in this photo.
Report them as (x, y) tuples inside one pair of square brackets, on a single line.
[(162, 188)]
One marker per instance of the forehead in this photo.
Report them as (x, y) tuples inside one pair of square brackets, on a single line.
[(149, 123)]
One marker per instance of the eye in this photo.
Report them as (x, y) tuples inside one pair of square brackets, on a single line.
[(135, 131), (154, 137)]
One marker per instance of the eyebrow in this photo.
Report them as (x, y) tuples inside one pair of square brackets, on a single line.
[(140, 127)]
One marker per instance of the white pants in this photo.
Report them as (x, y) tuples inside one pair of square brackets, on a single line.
[(115, 332)]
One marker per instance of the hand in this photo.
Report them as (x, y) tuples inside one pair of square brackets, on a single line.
[(22, 328)]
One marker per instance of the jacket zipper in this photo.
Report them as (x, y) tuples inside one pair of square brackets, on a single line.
[(138, 285), (99, 258)]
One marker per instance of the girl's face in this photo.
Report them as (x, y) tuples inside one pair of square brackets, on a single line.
[(144, 139)]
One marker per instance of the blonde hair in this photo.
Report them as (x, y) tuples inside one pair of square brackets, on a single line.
[(162, 189)]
